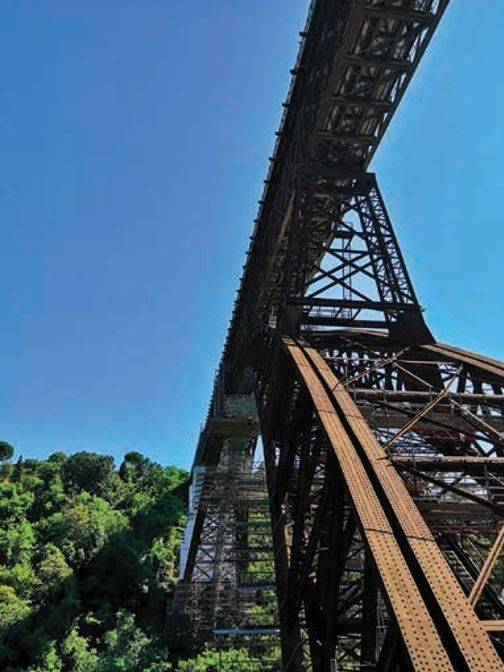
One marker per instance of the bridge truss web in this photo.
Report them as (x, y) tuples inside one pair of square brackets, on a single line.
[(367, 537)]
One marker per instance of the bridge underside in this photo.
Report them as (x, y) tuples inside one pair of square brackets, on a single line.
[(374, 520), (383, 477), (384, 467)]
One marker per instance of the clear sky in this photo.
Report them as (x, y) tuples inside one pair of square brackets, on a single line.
[(134, 138)]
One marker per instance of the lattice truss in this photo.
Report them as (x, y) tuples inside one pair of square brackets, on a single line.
[(387, 464), (355, 62), (346, 265), (383, 450), (229, 591), (383, 40)]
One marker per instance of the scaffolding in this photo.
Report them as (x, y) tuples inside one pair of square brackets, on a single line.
[(227, 585)]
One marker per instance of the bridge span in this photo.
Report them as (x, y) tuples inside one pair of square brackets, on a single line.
[(347, 488)]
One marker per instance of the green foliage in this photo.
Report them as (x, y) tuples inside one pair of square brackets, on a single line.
[(134, 466), (57, 458), (128, 648), (12, 608), (77, 653), (6, 451), (164, 556), (87, 471), (88, 557), (49, 662), (230, 660), (53, 572), (22, 578), (15, 502), (83, 528), (16, 542)]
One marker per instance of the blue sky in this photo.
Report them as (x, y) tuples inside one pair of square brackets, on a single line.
[(135, 137)]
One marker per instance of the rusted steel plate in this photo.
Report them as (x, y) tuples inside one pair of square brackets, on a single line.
[(472, 640), (490, 364), (417, 627), (493, 626)]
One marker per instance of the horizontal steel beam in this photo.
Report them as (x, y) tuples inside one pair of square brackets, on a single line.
[(396, 14), (352, 303), (324, 320), (412, 397), (386, 64), (362, 103), (493, 626), (469, 464)]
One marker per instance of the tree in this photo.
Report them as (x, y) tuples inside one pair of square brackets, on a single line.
[(53, 571), (130, 649), (50, 661), (57, 458), (87, 471), (16, 542), (15, 502), (134, 465), (6, 451), (22, 578), (164, 554), (78, 654), (117, 576), (86, 563), (230, 660), (12, 608), (83, 528)]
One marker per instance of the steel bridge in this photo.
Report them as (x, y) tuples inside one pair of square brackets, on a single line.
[(368, 536)]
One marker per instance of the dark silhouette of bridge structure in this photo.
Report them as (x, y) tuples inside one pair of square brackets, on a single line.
[(348, 485)]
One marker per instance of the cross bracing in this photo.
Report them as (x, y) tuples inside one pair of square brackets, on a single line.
[(369, 537)]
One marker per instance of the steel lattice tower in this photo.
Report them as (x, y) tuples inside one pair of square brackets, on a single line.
[(375, 515)]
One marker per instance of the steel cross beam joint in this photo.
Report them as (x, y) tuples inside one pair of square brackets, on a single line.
[(346, 267)]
